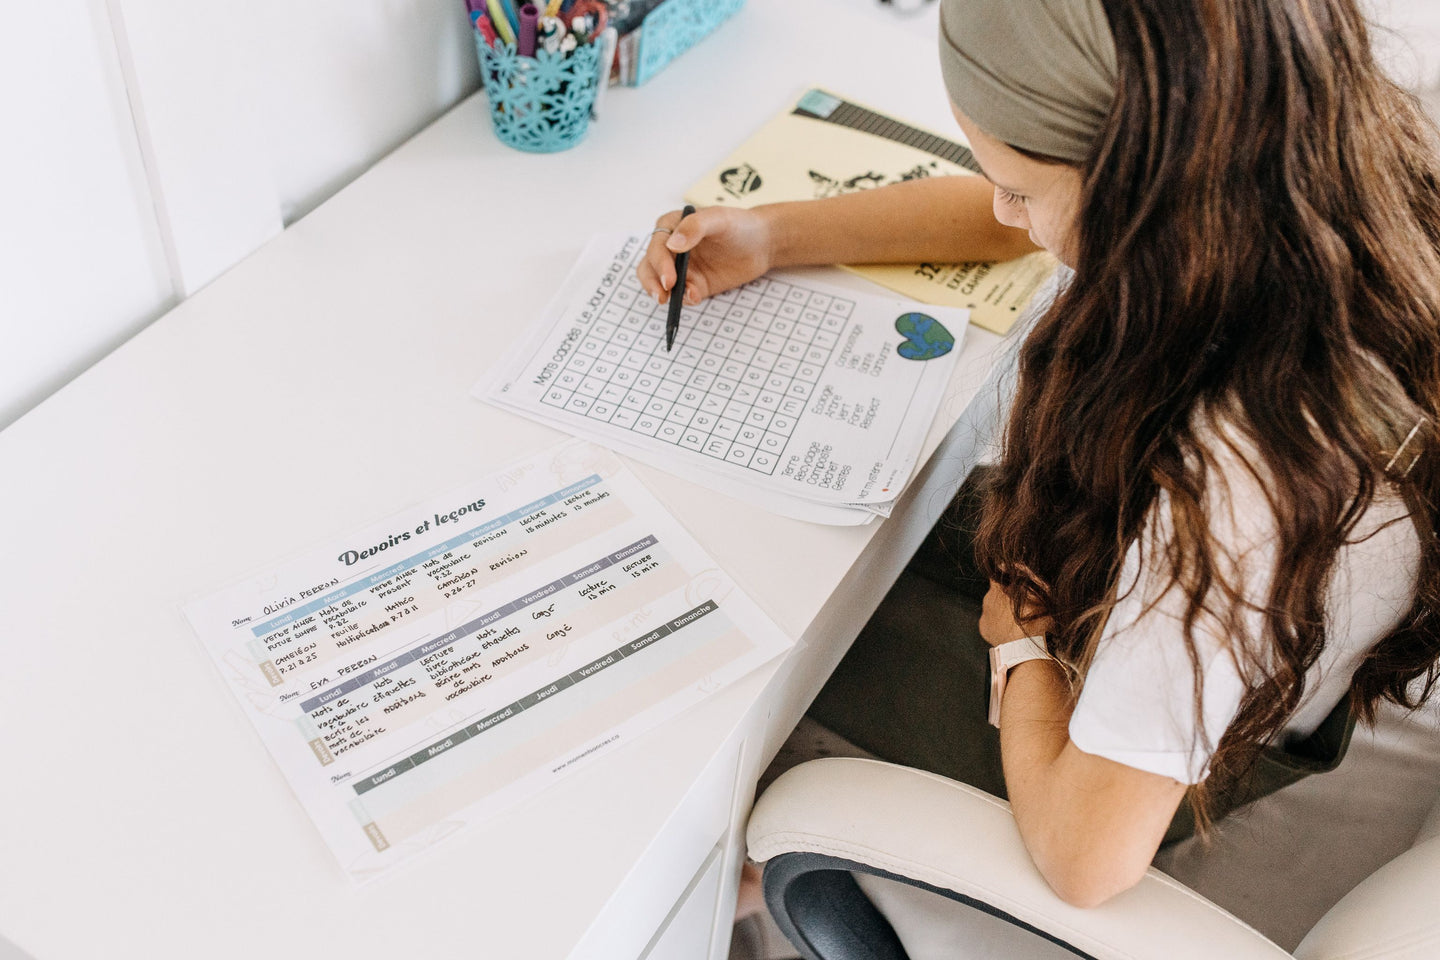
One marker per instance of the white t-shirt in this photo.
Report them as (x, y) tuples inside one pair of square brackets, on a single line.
[(1137, 706)]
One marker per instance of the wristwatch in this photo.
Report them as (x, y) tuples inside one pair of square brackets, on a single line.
[(1003, 658)]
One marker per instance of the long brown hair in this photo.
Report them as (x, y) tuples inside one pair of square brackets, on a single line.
[(1258, 239)]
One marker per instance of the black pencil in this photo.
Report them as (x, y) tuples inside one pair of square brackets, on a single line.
[(677, 293)]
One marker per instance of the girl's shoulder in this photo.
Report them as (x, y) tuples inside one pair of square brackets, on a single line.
[(1241, 491)]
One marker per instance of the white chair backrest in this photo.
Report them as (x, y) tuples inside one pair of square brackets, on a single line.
[(1430, 829), (1394, 914)]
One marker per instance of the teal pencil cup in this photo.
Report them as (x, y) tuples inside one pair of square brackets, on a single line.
[(539, 104)]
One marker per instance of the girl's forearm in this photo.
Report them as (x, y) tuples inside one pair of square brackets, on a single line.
[(1091, 825), (936, 220)]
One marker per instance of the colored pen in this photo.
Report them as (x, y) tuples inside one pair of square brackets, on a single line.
[(677, 293), (510, 16), (487, 30), (500, 22), (529, 18)]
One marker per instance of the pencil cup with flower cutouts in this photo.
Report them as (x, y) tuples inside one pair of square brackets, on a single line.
[(539, 103)]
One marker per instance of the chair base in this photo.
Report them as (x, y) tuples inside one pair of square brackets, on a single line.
[(822, 910)]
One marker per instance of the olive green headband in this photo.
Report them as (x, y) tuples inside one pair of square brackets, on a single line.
[(1037, 74)]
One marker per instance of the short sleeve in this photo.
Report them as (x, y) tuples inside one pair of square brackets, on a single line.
[(1137, 705)]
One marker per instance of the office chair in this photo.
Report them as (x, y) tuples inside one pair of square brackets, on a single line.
[(867, 860)]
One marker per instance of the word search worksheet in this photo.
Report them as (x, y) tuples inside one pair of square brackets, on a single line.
[(810, 398), (426, 670)]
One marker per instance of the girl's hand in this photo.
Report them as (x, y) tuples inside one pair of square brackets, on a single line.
[(728, 247), (997, 619)]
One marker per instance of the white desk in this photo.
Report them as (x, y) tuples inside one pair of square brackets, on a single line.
[(141, 815)]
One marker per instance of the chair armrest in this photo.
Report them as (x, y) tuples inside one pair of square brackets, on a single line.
[(951, 837), (1391, 914)]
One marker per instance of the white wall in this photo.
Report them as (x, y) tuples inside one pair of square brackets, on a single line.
[(1407, 40), (187, 70), (339, 83), (82, 264), (252, 114), (152, 144)]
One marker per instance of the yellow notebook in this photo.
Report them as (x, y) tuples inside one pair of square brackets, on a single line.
[(825, 145)]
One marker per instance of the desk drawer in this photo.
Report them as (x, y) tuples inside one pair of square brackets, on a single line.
[(687, 935), (654, 893)]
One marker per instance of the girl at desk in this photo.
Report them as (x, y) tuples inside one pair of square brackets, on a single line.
[(1209, 543)]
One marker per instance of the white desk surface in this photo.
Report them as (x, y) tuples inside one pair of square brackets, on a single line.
[(319, 384)]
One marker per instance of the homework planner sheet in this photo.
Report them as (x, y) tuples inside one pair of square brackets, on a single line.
[(798, 387), (418, 673)]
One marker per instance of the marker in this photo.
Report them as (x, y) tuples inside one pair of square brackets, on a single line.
[(677, 293), (529, 17), (487, 30), (500, 22), (509, 7)]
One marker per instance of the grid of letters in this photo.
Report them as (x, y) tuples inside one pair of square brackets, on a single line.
[(744, 364)]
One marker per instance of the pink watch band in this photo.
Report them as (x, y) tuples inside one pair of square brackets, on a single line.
[(1003, 658)]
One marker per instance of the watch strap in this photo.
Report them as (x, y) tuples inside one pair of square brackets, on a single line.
[(1003, 658)]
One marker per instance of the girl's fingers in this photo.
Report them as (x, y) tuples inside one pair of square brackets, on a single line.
[(649, 280), (659, 259), (688, 233), (664, 280), (657, 273), (697, 287), (673, 235)]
